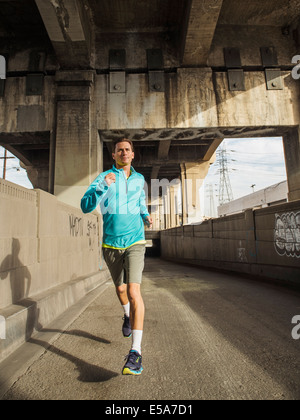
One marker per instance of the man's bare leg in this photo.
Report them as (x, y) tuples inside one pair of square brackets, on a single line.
[(122, 294), (137, 307), (137, 314), (123, 298)]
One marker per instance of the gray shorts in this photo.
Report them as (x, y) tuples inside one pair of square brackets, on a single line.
[(125, 265)]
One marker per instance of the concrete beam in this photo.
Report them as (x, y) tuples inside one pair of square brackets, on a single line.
[(68, 27), (212, 149), (155, 171), (200, 31), (163, 149), (176, 155), (163, 153)]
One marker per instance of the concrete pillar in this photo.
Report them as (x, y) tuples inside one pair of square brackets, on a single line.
[(161, 214), (184, 195), (172, 207), (291, 143), (38, 176), (192, 177), (174, 210), (166, 209), (78, 158), (155, 212)]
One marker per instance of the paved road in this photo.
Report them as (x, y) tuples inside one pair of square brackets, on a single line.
[(207, 336)]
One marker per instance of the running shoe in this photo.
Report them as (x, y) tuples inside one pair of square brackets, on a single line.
[(133, 365), (126, 329)]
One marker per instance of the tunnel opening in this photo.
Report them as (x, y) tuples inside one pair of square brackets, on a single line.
[(11, 169), (247, 173)]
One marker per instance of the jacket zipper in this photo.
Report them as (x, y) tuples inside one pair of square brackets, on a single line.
[(126, 180)]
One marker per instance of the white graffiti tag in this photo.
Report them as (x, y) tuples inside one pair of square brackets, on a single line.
[(287, 234)]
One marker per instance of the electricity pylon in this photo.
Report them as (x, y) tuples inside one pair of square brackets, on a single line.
[(225, 190), (210, 195)]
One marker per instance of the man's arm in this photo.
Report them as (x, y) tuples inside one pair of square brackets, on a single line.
[(144, 210), (96, 192)]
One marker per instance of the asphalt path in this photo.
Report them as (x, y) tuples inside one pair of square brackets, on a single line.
[(207, 336)]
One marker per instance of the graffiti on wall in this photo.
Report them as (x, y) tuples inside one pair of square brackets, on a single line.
[(76, 225), (287, 234), (78, 228)]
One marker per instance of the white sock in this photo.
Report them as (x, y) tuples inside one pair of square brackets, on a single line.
[(137, 336), (127, 309)]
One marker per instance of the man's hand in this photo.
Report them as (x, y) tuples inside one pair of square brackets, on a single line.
[(110, 178), (149, 222)]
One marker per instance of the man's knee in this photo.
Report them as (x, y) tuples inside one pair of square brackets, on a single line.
[(121, 290), (134, 292)]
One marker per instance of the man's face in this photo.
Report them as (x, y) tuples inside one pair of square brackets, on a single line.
[(123, 154)]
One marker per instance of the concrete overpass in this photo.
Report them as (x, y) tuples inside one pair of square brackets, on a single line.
[(177, 77)]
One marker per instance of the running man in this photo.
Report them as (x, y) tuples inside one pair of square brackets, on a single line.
[(120, 193)]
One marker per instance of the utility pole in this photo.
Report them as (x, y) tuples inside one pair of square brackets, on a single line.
[(4, 162), (225, 190)]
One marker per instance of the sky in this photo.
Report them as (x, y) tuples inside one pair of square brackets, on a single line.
[(253, 161), (14, 173)]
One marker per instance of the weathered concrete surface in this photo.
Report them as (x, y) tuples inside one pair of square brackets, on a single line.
[(207, 336), (53, 129), (49, 259), (264, 242)]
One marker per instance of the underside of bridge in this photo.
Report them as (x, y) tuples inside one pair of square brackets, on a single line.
[(175, 76)]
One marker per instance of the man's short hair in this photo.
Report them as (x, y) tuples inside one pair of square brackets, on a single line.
[(121, 141)]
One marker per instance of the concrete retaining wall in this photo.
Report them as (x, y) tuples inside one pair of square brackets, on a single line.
[(264, 242), (49, 259)]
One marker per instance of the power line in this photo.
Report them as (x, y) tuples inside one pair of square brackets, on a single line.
[(256, 153)]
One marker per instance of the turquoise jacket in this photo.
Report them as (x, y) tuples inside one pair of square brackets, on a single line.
[(123, 207)]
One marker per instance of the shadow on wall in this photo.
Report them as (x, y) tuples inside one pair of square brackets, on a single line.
[(20, 277), (20, 281)]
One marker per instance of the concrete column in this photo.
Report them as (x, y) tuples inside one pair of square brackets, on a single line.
[(291, 143), (183, 195), (192, 177), (38, 176), (174, 210), (166, 209), (177, 191), (172, 207), (78, 157), (155, 212), (161, 214)]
